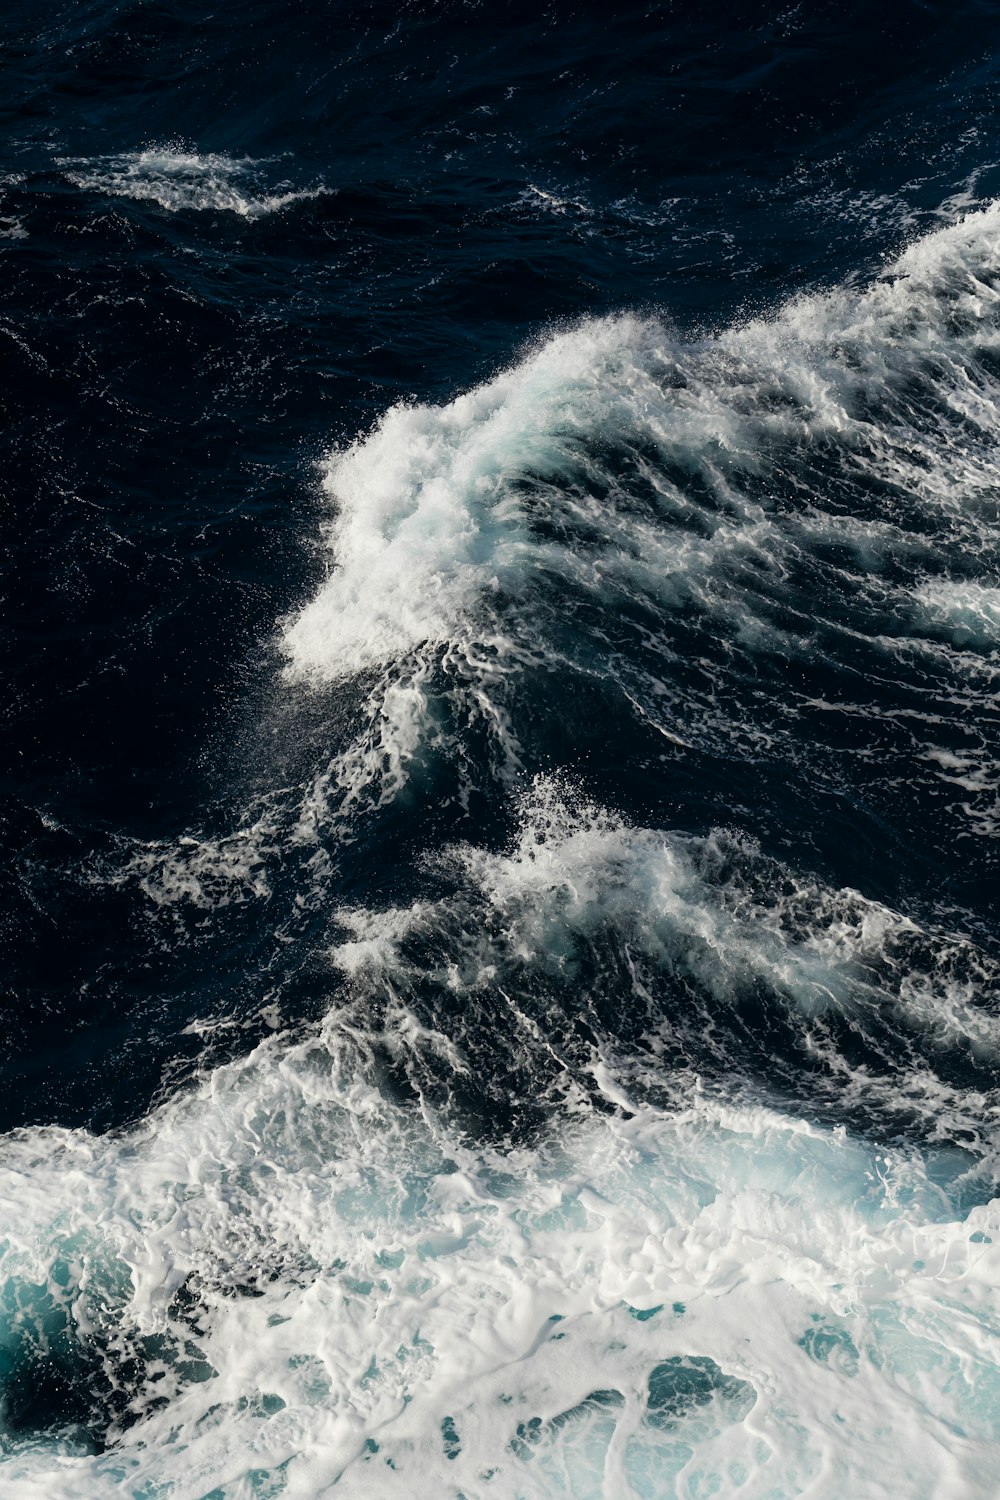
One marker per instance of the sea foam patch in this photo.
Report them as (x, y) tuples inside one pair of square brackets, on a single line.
[(282, 1283)]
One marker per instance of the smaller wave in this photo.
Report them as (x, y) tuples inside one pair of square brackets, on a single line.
[(183, 181), (975, 771), (650, 956), (967, 613)]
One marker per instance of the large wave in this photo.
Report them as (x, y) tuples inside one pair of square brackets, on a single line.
[(708, 527)]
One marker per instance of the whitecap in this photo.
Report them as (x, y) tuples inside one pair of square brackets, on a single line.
[(965, 610), (182, 181)]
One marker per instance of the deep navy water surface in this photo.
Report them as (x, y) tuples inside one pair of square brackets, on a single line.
[(504, 496)]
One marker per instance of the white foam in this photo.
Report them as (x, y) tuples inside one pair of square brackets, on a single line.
[(967, 611), (975, 770), (11, 227), (208, 873), (552, 203), (183, 181), (432, 1321), (710, 1297)]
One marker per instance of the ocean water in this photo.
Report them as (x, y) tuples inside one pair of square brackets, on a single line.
[(501, 751)]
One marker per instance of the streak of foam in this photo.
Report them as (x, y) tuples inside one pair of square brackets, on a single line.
[(182, 181), (552, 203), (11, 227)]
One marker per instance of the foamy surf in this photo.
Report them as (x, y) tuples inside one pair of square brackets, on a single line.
[(290, 1280), (284, 1284)]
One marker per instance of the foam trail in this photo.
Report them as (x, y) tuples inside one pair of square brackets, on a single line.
[(182, 181)]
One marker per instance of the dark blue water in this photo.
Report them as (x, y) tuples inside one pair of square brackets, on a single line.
[(500, 572)]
